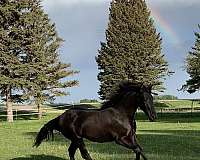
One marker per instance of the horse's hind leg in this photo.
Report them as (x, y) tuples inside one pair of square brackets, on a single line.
[(72, 150), (83, 150)]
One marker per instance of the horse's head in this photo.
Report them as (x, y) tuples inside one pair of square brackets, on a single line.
[(129, 95), (146, 102)]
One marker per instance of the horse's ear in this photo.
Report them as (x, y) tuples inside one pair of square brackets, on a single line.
[(150, 87), (142, 87)]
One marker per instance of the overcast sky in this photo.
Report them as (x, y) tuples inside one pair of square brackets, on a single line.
[(82, 24)]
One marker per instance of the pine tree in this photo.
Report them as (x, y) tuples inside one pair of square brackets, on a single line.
[(193, 66), (29, 61), (9, 81), (132, 50)]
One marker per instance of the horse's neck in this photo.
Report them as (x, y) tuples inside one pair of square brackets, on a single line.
[(130, 105), (129, 110)]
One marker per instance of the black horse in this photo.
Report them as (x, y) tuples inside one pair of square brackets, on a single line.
[(112, 122)]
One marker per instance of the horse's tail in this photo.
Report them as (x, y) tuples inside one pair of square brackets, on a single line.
[(46, 131)]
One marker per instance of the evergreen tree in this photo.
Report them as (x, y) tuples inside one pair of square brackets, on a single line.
[(193, 66), (29, 59), (9, 81), (132, 50)]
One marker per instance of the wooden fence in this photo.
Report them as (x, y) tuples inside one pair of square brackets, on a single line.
[(22, 110), (28, 110)]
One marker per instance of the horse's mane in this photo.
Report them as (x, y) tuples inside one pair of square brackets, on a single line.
[(120, 93)]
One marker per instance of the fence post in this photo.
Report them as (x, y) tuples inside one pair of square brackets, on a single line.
[(192, 106), (16, 114)]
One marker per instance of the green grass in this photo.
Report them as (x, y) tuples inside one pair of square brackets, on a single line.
[(173, 137)]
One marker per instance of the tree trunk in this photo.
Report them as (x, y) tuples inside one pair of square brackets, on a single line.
[(39, 111), (9, 105)]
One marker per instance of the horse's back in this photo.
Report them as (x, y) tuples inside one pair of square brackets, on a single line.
[(95, 125)]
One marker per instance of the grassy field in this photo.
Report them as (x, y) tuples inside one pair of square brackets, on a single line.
[(173, 137), (177, 104)]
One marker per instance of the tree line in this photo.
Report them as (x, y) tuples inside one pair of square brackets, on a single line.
[(30, 66)]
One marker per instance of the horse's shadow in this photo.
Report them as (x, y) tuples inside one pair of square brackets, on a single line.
[(38, 157)]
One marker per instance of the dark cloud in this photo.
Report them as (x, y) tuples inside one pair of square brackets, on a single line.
[(82, 26), (182, 18)]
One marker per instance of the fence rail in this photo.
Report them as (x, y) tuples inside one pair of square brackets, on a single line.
[(32, 110)]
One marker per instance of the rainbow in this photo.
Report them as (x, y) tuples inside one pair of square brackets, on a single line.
[(163, 27)]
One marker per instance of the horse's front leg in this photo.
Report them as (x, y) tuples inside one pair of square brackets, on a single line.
[(131, 143), (138, 151)]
